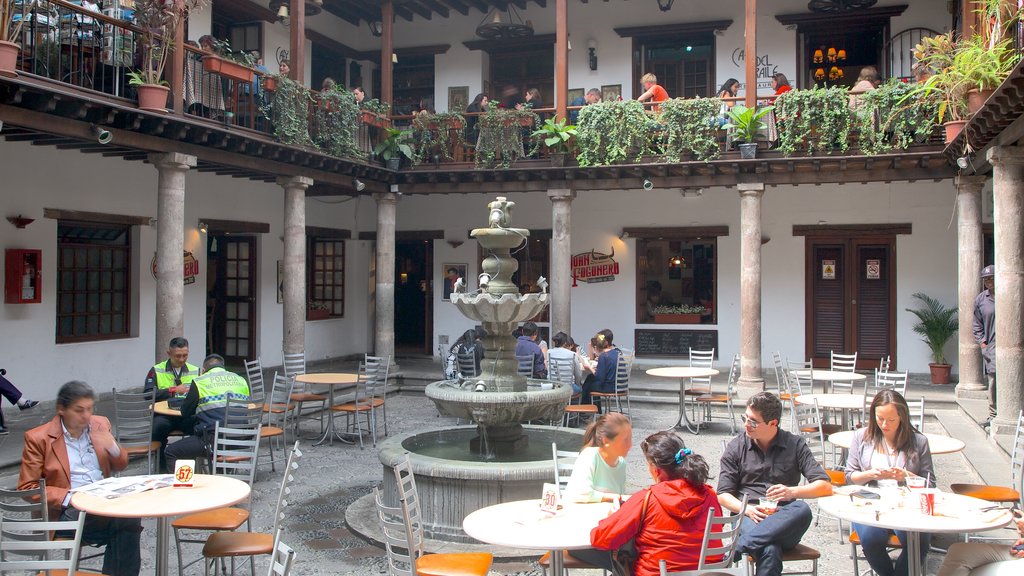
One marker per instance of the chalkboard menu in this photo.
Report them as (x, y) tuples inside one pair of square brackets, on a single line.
[(674, 342)]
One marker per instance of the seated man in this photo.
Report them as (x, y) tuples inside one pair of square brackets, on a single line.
[(204, 406), (767, 462), (169, 378), (978, 558), (526, 345), (73, 449)]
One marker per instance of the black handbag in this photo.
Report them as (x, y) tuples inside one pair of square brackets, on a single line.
[(624, 558)]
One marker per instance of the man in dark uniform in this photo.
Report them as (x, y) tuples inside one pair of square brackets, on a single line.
[(985, 334)]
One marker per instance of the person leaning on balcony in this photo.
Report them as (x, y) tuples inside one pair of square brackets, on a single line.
[(172, 377), (652, 91), (866, 82), (593, 96), (476, 107)]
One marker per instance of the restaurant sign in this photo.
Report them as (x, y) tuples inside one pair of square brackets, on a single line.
[(594, 266), (189, 271)]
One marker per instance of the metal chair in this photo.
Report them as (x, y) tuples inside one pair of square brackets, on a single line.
[(701, 359), (302, 394), (843, 362), (622, 370), (133, 425), (563, 370), (369, 397), (232, 545), (716, 559), (383, 364), (234, 453), (277, 410), (402, 528), (795, 385), (706, 400), (917, 413), (780, 374), (25, 546), (22, 505), (1002, 494), (466, 362), (254, 372), (283, 558), (524, 366)]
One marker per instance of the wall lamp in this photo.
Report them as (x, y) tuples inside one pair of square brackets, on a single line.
[(592, 50), (376, 28), (963, 162), (203, 227), (648, 185), (665, 5), (359, 184), (102, 136), (624, 235)]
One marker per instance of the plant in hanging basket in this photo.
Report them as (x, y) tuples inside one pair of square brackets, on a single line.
[(501, 136), (336, 123), (158, 21), (614, 131), (436, 135), (690, 128), (287, 108)]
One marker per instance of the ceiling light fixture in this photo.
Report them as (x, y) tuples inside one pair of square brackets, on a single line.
[(359, 184), (665, 5), (504, 24)]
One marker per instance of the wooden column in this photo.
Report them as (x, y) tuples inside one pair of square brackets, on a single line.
[(297, 41), (750, 53), (387, 49), (175, 75), (561, 58)]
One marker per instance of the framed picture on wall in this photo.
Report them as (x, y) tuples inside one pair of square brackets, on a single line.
[(458, 98), (574, 94), (611, 92), (450, 273)]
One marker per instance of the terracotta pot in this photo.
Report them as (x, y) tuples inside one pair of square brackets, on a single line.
[(372, 119), (318, 314), (9, 58), (940, 373), (228, 69), (976, 99), (269, 83), (953, 129), (153, 97)]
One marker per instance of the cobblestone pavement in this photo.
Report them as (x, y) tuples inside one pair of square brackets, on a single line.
[(329, 478)]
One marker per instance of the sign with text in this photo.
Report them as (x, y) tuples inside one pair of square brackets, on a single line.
[(594, 266), (673, 342), (765, 68), (190, 268)]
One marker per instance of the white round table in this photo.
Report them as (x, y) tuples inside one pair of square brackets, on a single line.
[(842, 402), (953, 514), (207, 493), (521, 524), (331, 380), (937, 443), (829, 376), (683, 373)]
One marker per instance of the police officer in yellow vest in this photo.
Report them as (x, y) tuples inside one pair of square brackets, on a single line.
[(205, 405), (169, 378)]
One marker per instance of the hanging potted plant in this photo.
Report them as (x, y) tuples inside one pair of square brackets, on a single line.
[(556, 137), (373, 112), (747, 125), (10, 30), (236, 65), (936, 324), (690, 129), (946, 82), (396, 145), (158, 21)]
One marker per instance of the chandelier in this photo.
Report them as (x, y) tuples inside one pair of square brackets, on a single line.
[(507, 23)]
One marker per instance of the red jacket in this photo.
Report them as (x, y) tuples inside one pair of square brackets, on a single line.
[(673, 526)]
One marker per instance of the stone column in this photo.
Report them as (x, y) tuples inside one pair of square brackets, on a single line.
[(750, 286), (1008, 201), (294, 262), (969, 249), (170, 245), (560, 284), (384, 340)]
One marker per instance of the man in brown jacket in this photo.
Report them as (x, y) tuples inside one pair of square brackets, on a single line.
[(73, 449)]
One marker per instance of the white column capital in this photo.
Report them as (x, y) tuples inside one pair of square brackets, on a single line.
[(970, 184), (172, 160), (1005, 155), (386, 197), (750, 188), (302, 182), (561, 194)]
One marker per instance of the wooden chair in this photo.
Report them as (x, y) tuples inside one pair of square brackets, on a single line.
[(716, 559), (133, 425), (709, 399), (234, 453), (1002, 494), (403, 536), (25, 546), (222, 545)]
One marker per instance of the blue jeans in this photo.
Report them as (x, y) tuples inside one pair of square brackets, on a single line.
[(766, 540), (874, 540)]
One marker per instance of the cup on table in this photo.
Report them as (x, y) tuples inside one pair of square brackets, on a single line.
[(927, 497), (916, 482), (768, 505)]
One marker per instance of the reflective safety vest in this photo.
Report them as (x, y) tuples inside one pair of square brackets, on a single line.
[(165, 376), (215, 388)]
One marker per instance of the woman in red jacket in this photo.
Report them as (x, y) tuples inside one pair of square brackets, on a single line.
[(677, 507)]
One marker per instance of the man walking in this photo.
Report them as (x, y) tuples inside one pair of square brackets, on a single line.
[(169, 378), (985, 334)]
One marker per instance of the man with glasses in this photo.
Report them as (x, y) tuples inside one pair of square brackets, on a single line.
[(171, 377), (766, 463)]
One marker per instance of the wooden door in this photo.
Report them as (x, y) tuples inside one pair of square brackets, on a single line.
[(851, 285), (231, 309)]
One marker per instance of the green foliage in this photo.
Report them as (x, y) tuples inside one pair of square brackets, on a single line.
[(613, 131), (679, 309), (397, 144), (981, 65), (436, 135), (885, 118), (288, 112), (747, 122), (690, 128), (376, 106), (337, 122), (223, 49), (139, 78), (158, 21), (501, 136), (936, 324), (813, 120), (556, 136)]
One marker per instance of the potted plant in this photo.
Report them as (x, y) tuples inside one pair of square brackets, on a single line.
[(236, 65), (10, 31), (936, 324), (556, 137), (816, 120), (946, 82), (883, 123), (374, 113), (501, 136), (982, 66), (681, 314), (288, 112), (158, 21), (336, 124), (690, 128), (395, 145), (436, 136), (317, 311), (613, 131), (747, 125)]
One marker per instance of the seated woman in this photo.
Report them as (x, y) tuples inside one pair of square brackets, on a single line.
[(603, 379), (667, 519), (888, 448), (563, 348), (468, 343)]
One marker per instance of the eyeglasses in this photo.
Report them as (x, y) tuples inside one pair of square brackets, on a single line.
[(750, 422)]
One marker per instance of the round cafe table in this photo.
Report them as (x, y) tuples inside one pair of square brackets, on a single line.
[(207, 493), (683, 373), (937, 443), (522, 524), (827, 376), (953, 514), (842, 402), (331, 380)]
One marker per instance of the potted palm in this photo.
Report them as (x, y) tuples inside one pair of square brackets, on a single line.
[(936, 324), (158, 21), (747, 124), (396, 145), (10, 30), (556, 137)]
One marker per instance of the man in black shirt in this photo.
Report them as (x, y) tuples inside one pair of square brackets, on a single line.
[(767, 462)]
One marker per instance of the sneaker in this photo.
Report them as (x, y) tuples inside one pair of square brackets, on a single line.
[(3, 431), (28, 404)]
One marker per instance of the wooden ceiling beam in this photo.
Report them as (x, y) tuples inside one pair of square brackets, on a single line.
[(458, 6)]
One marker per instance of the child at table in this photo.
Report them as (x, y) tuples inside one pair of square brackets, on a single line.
[(599, 473)]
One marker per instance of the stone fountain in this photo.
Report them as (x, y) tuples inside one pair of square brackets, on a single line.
[(464, 468)]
